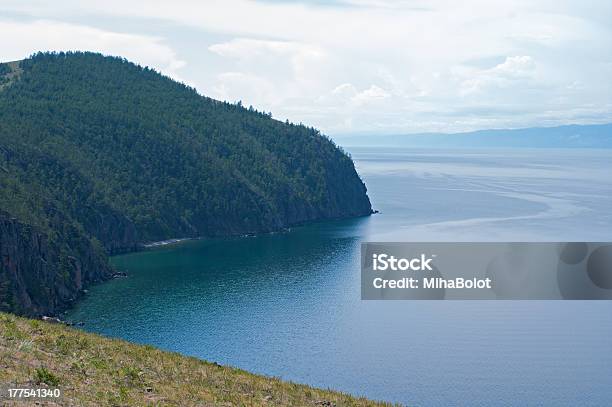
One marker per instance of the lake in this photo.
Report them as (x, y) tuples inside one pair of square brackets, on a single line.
[(288, 305)]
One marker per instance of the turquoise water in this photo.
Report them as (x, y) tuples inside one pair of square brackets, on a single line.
[(288, 305)]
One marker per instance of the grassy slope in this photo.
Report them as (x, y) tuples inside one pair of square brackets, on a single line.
[(93, 370)]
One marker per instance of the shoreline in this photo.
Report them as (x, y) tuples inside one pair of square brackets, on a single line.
[(284, 229), (167, 242)]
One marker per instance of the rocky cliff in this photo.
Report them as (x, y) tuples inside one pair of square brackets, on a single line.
[(43, 274)]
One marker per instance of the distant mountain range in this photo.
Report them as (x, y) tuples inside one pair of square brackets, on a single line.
[(570, 136)]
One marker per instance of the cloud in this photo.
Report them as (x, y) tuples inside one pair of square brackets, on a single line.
[(252, 48), (267, 72), (509, 73), (371, 65), (345, 90), (347, 95), (372, 94), (272, 55), (27, 38), (246, 87), (517, 66)]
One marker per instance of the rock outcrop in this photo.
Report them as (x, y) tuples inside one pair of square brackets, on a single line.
[(41, 274)]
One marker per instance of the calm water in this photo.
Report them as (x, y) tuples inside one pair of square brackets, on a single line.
[(289, 305)]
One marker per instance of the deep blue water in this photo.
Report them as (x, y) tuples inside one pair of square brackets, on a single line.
[(288, 305)]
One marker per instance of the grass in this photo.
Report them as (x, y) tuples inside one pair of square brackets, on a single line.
[(93, 370)]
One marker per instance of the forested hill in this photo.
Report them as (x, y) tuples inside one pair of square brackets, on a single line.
[(98, 155)]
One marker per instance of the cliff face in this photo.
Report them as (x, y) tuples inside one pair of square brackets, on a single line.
[(98, 155), (40, 277)]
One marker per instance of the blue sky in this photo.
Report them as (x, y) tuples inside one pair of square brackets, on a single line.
[(372, 66)]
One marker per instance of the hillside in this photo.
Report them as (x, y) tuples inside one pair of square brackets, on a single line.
[(98, 156), (94, 371)]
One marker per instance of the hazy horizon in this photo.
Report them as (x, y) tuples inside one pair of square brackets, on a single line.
[(426, 133)]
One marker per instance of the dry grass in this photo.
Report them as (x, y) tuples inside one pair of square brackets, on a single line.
[(93, 370)]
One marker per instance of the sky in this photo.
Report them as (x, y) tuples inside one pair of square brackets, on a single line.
[(353, 66)]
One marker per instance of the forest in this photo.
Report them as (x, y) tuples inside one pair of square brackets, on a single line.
[(99, 156)]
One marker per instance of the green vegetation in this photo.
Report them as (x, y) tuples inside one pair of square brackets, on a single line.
[(95, 371), (101, 134), (42, 375), (9, 72), (98, 155)]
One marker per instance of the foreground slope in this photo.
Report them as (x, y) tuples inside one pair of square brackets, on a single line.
[(95, 371), (98, 155)]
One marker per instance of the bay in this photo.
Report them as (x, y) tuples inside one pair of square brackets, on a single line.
[(288, 304)]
